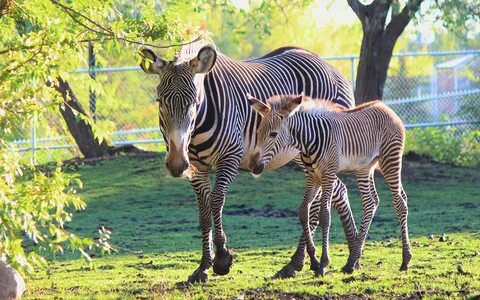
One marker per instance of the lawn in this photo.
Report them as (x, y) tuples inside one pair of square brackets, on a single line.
[(154, 225)]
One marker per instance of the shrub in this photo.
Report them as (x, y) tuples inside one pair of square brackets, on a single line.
[(33, 211), (446, 144)]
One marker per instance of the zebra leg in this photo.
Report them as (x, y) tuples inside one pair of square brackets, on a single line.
[(325, 220), (226, 171), (392, 175), (298, 258), (201, 185), (342, 204), (370, 202), (312, 188)]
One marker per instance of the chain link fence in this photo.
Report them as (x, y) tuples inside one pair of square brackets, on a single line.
[(427, 90)]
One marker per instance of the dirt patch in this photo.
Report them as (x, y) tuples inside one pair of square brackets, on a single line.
[(468, 205), (412, 156), (269, 211)]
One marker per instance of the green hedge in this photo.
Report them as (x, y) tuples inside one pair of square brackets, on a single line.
[(446, 144)]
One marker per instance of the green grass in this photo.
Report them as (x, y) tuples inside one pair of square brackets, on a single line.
[(155, 214)]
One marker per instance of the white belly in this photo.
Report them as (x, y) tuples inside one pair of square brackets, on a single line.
[(349, 164)]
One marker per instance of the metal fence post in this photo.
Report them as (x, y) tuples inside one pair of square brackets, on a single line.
[(33, 143), (352, 71), (91, 71)]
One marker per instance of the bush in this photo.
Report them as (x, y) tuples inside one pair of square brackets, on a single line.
[(446, 144), (34, 209)]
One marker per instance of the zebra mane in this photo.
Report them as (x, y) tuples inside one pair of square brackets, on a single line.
[(319, 105), (282, 102), (190, 49)]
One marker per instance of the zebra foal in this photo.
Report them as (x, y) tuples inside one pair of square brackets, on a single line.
[(332, 139)]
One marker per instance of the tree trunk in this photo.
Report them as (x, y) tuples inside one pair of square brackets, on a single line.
[(4, 4), (81, 131), (378, 42), (375, 55)]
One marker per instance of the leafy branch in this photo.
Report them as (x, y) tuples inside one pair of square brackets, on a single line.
[(106, 32)]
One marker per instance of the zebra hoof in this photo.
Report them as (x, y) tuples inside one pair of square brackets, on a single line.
[(199, 276), (357, 265), (320, 271), (222, 262), (288, 271), (348, 269), (404, 267)]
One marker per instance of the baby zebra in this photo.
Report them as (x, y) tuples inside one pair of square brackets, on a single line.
[(332, 140)]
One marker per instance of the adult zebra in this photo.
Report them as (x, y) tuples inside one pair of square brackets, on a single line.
[(206, 121)]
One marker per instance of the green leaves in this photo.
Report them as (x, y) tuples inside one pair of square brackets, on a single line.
[(35, 211), (446, 144), (40, 41)]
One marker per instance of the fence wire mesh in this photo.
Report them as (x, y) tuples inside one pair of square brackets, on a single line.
[(427, 90)]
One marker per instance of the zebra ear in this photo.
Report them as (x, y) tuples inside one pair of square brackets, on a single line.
[(260, 107), (292, 104), (203, 63), (151, 63)]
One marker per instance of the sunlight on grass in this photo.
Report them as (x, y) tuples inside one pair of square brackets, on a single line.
[(156, 215)]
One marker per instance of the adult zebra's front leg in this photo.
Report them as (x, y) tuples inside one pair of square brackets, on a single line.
[(201, 185), (227, 170)]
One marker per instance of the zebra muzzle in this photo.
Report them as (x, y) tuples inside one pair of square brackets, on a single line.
[(258, 169), (177, 162)]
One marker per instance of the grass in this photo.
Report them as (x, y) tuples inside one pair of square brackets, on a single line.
[(155, 214)]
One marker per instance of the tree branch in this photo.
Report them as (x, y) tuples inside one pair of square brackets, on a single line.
[(71, 10), (5, 51), (358, 8), (37, 52), (107, 32), (3, 6), (400, 21), (382, 6)]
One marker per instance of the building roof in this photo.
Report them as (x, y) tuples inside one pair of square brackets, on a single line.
[(456, 62)]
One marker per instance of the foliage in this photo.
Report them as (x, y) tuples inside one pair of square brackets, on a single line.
[(35, 212), (155, 216), (446, 144), (459, 16), (41, 41)]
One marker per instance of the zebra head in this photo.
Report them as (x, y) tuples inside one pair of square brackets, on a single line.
[(180, 92), (272, 134)]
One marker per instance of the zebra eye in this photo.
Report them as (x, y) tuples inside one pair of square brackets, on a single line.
[(273, 134)]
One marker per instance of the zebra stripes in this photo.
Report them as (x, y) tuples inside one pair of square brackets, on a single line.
[(332, 140), (206, 121)]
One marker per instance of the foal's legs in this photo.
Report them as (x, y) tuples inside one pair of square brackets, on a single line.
[(312, 188), (392, 173), (327, 182), (370, 201), (298, 258), (342, 205)]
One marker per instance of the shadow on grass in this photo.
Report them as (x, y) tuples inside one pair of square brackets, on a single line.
[(151, 212)]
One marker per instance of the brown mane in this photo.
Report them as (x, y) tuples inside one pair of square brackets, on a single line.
[(281, 102), (361, 106)]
